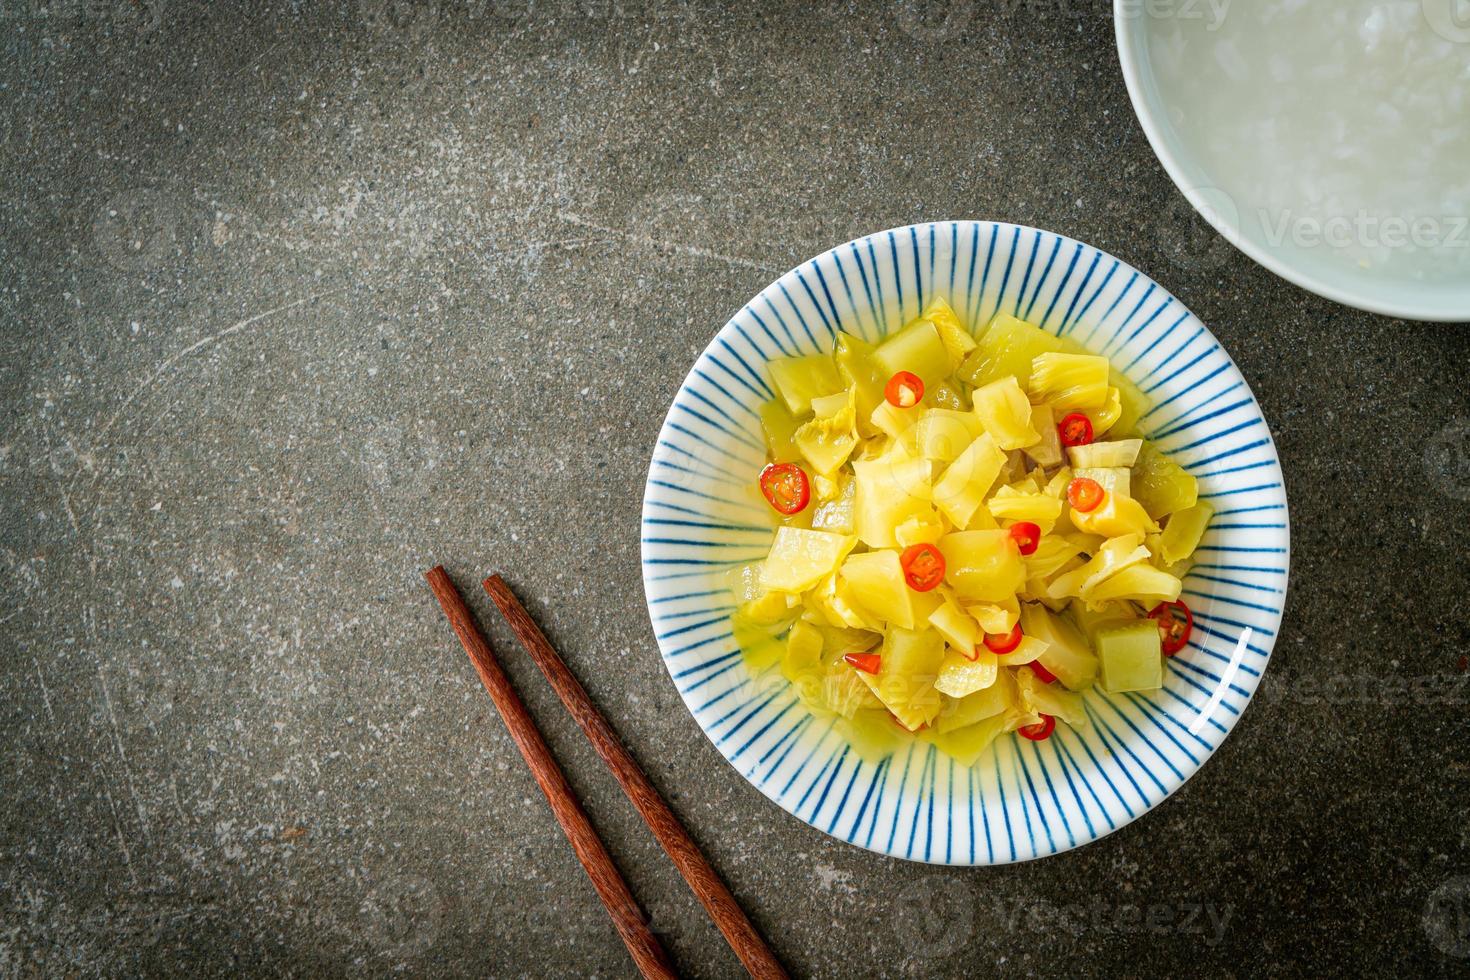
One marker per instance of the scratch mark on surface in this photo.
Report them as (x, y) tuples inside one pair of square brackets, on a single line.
[(204, 342), (697, 251), (116, 730), (71, 515), (45, 691), (116, 823)]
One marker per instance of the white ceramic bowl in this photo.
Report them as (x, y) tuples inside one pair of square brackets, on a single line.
[(1306, 267), (1024, 799)]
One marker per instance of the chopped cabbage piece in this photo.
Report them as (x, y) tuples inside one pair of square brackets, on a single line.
[(1067, 654), (1069, 382), (982, 566), (1009, 504), (942, 435), (800, 379), (800, 558), (1143, 583), (1116, 515), (1026, 651), (890, 490), (1130, 657), (966, 745), (1123, 452), (1047, 452), (1048, 699), (1161, 485), (1006, 414), (960, 675), (876, 585), (779, 427), (965, 483), (956, 338), (1183, 532), (918, 349), (987, 702)]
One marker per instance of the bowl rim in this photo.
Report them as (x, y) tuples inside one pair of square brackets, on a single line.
[(790, 278), (1131, 60)]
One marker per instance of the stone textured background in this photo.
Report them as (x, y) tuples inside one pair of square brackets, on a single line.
[(300, 299)]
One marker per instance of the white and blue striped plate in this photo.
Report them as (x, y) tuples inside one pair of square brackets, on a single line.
[(1024, 799)]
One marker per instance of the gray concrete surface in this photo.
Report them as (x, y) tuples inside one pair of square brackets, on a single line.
[(300, 299)]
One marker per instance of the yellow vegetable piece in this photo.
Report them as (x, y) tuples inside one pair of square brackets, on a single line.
[(1006, 348), (920, 529), (875, 584), (1111, 558), (800, 379), (890, 490), (872, 734), (942, 435), (1142, 583), (1013, 505), (956, 338), (859, 372), (1069, 382), (1116, 515), (1161, 485), (966, 745), (1130, 657), (1121, 452), (800, 558), (893, 421), (982, 566), (803, 651), (908, 666), (964, 485), (1052, 552), (1105, 419), (1026, 651), (995, 617), (959, 628), (1048, 699), (1067, 654), (988, 702), (1047, 452), (1132, 404), (779, 427), (829, 438), (1006, 414), (1183, 532), (834, 510), (918, 349), (960, 676)]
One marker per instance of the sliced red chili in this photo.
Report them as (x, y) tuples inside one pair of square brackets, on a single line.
[(1039, 732), (923, 566), (786, 487), (1042, 674), (1003, 642), (868, 663), (1075, 429), (1084, 494), (1176, 622), (1027, 536), (904, 390)]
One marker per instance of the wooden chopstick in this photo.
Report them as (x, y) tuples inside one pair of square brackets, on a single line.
[(629, 919), (697, 871)]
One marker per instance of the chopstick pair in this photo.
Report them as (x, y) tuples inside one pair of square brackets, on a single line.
[(628, 918)]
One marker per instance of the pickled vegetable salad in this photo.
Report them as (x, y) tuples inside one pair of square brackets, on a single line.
[(969, 536)]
